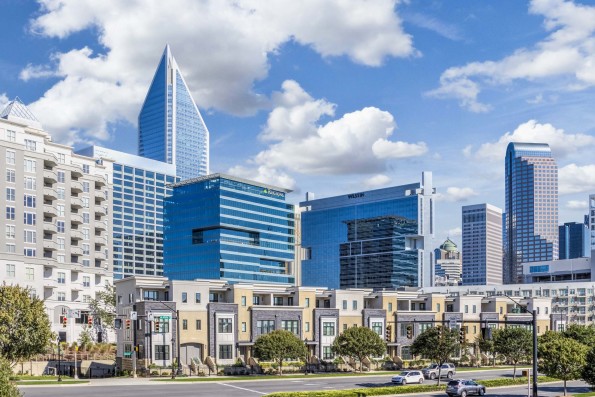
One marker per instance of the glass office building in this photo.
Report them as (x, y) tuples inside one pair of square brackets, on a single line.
[(140, 187), (374, 239), (171, 128), (222, 227), (574, 240), (531, 218)]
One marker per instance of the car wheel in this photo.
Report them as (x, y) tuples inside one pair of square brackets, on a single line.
[(482, 392), (404, 382), (464, 393), (449, 375), (421, 380), (432, 376)]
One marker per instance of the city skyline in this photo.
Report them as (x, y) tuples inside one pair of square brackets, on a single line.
[(437, 88)]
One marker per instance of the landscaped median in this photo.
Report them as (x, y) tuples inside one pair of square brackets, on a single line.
[(29, 380), (390, 390)]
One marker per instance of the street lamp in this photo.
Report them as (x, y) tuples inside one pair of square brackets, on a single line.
[(534, 324), (177, 312), (59, 361)]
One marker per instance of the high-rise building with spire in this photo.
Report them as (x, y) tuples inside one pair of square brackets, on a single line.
[(171, 128)]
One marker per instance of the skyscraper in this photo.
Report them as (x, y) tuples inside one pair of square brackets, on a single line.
[(574, 240), (531, 231), (378, 239), (222, 227), (448, 269), (170, 126), (482, 245)]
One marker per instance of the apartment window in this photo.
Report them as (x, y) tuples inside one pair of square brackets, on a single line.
[(30, 165), (198, 325), (60, 209), (197, 297), (60, 258), (10, 157), (86, 298), (61, 278), (60, 241), (61, 158), (161, 352), (11, 135), (85, 233), (10, 213), (29, 252), (224, 326), (86, 187), (278, 301), (10, 176), (60, 225), (328, 328), (61, 176), (85, 202), (185, 324), (354, 304), (10, 270), (377, 327), (344, 304), (256, 300), (29, 274), (474, 309), (10, 230), (243, 299), (85, 217), (61, 296), (10, 194), (29, 218), (438, 307), (30, 236), (390, 307), (290, 325), (86, 168), (86, 281), (265, 326), (86, 262), (10, 248), (30, 183), (85, 249), (307, 302), (184, 297), (307, 326), (466, 308), (149, 295), (225, 352), (29, 201), (344, 327), (327, 353), (30, 145)]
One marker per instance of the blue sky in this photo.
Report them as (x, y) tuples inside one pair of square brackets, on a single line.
[(330, 97)]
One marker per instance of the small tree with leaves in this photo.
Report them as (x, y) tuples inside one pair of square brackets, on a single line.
[(486, 346), (438, 344), (358, 343), (7, 387), (584, 334), (24, 325), (514, 343), (562, 357), (278, 346), (103, 309), (588, 371)]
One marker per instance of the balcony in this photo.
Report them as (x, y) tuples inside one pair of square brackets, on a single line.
[(100, 195), (100, 225), (50, 176), (50, 245), (49, 194), (50, 264), (76, 287), (100, 255), (100, 181), (76, 171), (49, 160), (49, 211), (76, 202), (77, 251), (100, 240), (51, 284), (50, 227), (76, 187), (99, 210), (76, 219), (76, 235)]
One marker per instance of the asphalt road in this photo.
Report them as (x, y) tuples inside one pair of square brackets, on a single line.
[(258, 387)]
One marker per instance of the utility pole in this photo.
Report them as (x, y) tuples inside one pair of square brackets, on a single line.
[(59, 362), (534, 352)]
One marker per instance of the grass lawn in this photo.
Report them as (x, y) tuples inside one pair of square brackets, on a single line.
[(50, 382), (42, 377), (585, 394)]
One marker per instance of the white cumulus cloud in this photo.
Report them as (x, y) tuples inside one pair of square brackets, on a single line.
[(457, 194), (582, 205), (377, 181), (222, 47), (576, 179)]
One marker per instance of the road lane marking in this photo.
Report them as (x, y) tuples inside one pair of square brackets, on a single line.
[(242, 388)]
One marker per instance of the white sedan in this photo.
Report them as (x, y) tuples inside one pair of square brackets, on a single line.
[(408, 377)]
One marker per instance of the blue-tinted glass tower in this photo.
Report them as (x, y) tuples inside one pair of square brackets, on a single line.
[(531, 218), (574, 240), (170, 127), (374, 239), (228, 228), (140, 187)]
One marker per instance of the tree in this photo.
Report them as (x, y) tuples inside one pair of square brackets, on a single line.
[(562, 357), (588, 372), (278, 346), (584, 334), (103, 307), (25, 329), (358, 343), (7, 387), (516, 344), (487, 347), (437, 344)]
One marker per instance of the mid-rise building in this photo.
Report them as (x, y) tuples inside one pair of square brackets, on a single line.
[(448, 269), (482, 244), (223, 227), (531, 233), (591, 218), (574, 240), (170, 126), (374, 239), (562, 270), (56, 212), (140, 186)]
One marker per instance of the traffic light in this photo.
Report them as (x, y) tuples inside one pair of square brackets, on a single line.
[(157, 324), (410, 331), (439, 329), (64, 321), (128, 323), (387, 334), (462, 338), (90, 321)]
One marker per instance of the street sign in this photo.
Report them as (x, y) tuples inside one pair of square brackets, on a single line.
[(133, 315), (165, 317), (452, 323), (150, 316), (73, 313)]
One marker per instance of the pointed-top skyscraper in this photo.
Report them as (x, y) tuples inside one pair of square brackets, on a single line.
[(170, 126)]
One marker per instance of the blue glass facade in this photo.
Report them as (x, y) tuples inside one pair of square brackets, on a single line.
[(372, 239), (171, 128), (222, 227), (531, 215), (574, 240)]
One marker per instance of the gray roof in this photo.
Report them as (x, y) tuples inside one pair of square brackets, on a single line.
[(17, 111)]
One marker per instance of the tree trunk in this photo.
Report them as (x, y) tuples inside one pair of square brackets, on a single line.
[(514, 371), (280, 367), (564, 386), (439, 373)]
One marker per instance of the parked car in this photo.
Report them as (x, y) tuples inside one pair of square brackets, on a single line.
[(408, 377), (448, 370), (463, 387)]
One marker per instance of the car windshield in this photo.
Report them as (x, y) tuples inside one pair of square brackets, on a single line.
[(453, 383), (405, 373), (433, 366)]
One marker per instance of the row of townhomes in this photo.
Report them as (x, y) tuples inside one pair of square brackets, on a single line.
[(219, 322)]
